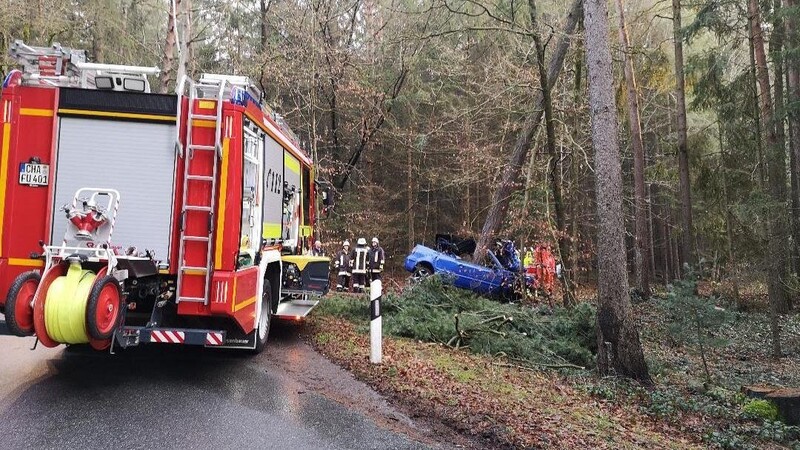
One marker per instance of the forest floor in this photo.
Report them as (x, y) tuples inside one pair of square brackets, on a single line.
[(500, 404)]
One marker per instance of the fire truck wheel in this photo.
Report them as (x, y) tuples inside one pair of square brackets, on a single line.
[(104, 308), (19, 311), (262, 328)]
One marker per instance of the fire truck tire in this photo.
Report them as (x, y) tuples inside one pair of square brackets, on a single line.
[(263, 326), (104, 309), (19, 309)]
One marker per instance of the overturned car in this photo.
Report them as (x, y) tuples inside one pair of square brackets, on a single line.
[(502, 278)]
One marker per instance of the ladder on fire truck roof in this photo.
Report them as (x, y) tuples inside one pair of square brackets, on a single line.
[(214, 89), (59, 66)]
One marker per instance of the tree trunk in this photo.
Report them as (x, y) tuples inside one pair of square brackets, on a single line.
[(756, 115), (642, 232), (264, 8), (731, 266), (502, 195), (411, 196), (555, 186), (169, 52), (793, 97), (185, 32), (687, 249), (575, 204), (775, 257), (619, 349)]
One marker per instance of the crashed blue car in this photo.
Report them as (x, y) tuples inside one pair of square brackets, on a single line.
[(504, 279)]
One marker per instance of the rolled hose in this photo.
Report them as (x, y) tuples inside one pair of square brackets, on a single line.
[(65, 307)]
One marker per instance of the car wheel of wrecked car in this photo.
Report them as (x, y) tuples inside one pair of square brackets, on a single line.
[(421, 271)]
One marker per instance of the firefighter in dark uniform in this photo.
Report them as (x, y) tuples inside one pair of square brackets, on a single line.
[(342, 266), (317, 250), (376, 260), (359, 260)]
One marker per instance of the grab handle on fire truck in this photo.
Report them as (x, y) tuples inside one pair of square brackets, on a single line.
[(179, 90), (218, 130)]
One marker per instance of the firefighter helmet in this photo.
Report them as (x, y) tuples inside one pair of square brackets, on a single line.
[(374, 240), (346, 243), (362, 241)]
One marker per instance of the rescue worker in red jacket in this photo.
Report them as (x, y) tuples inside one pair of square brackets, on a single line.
[(342, 266), (359, 260), (376, 260)]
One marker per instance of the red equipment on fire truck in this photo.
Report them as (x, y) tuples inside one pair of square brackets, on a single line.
[(130, 217)]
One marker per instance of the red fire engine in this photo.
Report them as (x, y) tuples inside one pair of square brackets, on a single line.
[(130, 217)]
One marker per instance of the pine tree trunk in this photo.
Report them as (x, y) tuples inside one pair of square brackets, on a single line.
[(502, 195), (775, 257), (687, 249), (169, 53), (642, 232), (619, 349)]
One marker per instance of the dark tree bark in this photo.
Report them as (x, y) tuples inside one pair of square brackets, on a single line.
[(555, 185), (775, 257), (502, 195), (687, 248), (619, 349), (642, 232)]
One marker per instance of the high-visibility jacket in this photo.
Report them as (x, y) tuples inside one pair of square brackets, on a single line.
[(343, 262), (376, 259), (359, 259)]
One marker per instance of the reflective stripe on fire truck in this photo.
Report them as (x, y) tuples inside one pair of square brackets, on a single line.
[(37, 112), (81, 112), (244, 303), (223, 189), (4, 148), (167, 336), (213, 338), (25, 262)]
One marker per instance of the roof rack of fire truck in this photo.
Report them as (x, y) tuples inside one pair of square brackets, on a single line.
[(59, 66)]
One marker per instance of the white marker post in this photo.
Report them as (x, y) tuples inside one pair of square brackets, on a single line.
[(375, 324)]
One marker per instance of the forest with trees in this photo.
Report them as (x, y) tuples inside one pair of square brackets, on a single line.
[(648, 141)]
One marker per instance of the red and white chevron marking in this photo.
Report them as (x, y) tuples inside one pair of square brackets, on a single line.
[(167, 337), (213, 338)]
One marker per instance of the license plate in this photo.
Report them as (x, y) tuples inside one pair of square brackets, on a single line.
[(34, 174)]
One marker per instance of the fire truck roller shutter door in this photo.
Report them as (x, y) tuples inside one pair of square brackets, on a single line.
[(137, 159), (273, 189)]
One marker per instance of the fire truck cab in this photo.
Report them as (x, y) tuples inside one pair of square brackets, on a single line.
[(130, 217)]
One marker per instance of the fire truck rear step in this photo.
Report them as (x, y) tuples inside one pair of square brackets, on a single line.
[(295, 309)]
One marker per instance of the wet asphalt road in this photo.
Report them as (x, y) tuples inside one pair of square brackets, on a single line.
[(166, 397)]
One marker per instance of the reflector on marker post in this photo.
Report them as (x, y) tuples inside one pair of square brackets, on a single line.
[(375, 324)]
